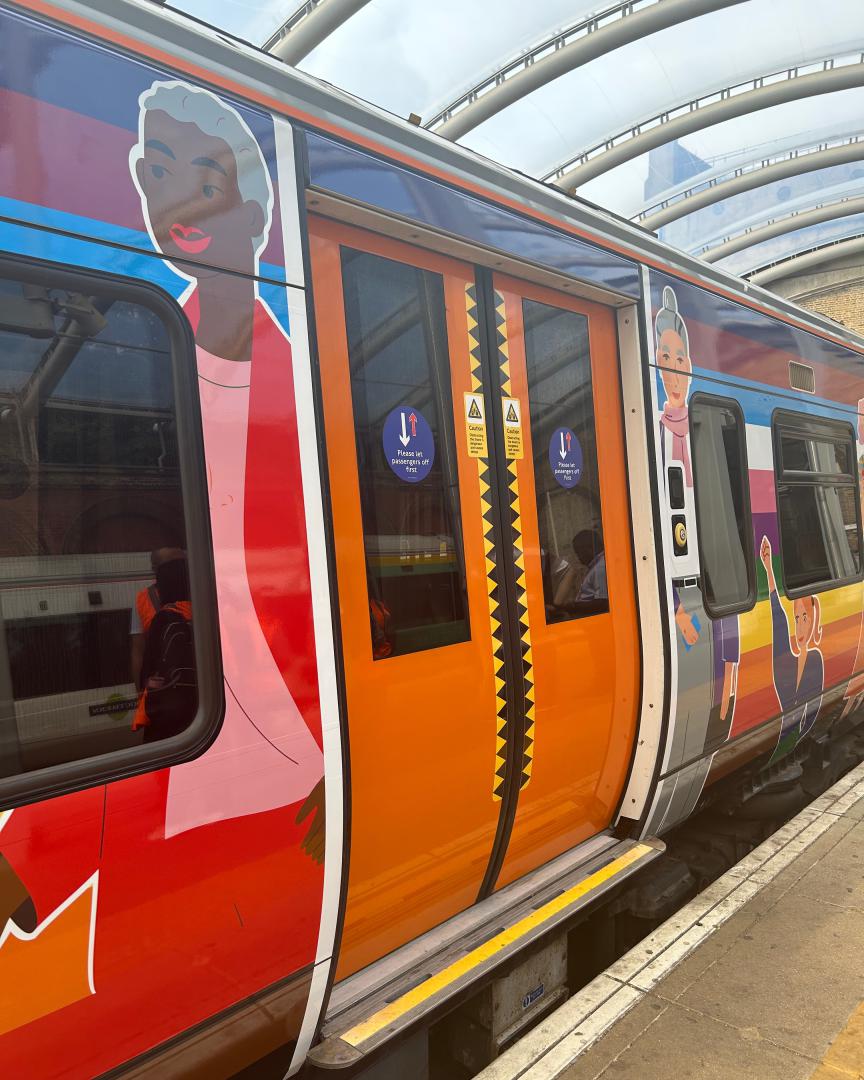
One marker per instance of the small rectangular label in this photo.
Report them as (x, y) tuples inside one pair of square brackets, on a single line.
[(121, 706), (475, 426), (532, 996), (512, 411)]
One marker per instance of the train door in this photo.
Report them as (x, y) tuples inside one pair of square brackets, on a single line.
[(413, 601), (565, 478), (441, 581)]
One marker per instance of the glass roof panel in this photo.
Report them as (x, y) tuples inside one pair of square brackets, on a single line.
[(642, 181), (660, 72), (419, 57), (676, 194), (781, 247), (708, 227), (412, 57), (408, 57)]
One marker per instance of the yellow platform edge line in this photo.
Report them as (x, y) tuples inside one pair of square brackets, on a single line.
[(378, 1021), (845, 1056)]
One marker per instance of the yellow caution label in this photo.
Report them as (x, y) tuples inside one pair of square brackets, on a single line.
[(475, 425), (513, 445)]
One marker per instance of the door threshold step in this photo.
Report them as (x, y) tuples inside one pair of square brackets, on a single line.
[(406, 987)]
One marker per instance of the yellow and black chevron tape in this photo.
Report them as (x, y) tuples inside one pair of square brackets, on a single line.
[(493, 584), (518, 554)]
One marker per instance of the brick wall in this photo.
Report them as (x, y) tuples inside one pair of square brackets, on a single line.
[(846, 306)]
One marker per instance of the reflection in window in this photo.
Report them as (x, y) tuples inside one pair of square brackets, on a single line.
[(818, 504), (403, 420), (89, 487), (722, 505), (566, 479)]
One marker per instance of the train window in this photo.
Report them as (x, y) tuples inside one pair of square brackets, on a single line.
[(403, 425), (566, 478), (817, 502), (721, 483), (93, 509)]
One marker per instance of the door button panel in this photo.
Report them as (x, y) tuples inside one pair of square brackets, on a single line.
[(676, 487)]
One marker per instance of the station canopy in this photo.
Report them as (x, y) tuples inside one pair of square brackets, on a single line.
[(734, 129)]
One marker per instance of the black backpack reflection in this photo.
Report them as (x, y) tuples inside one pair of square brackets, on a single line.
[(171, 682)]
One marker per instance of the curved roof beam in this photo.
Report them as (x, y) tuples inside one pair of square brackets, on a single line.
[(780, 226), (695, 116), (795, 164), (541, 64), (309, 26), (808, 260)]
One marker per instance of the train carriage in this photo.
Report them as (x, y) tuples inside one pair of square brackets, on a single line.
[(506, 537)]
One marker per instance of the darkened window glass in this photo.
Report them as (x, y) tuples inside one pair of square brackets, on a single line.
[(811, 454), (89, 489), (817, 502), (566, 478), (403, 420), (722, 505)]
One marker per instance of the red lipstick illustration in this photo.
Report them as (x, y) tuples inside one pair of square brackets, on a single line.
[(191, 240)]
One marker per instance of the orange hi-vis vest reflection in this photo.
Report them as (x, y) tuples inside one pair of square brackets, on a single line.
[(146, 604), (379, 614)]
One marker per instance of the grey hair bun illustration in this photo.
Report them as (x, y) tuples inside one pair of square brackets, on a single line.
[(669, 319)]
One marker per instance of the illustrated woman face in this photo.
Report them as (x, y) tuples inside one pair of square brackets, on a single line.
[(803, 609), (193, 199), (675, 367)]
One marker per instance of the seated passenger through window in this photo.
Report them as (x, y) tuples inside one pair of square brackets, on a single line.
[(578, 585), (561, 579), (588, 546)]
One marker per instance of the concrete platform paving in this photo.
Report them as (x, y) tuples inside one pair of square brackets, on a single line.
[(760, 977)]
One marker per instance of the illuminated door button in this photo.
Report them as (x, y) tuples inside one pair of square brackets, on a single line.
[(679, 535)]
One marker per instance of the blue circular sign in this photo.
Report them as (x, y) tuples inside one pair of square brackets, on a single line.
[(408, 444), (565, 457)]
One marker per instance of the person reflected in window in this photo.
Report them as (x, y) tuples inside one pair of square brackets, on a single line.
[(168, 670), (207, 200), (382, 635), (798, 666), (147, 603), (588, 546)]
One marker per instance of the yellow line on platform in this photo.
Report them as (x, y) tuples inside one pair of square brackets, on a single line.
[(845, 1056), (361, 1032)]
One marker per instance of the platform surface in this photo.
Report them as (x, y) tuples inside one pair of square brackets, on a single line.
[(760, 977)]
